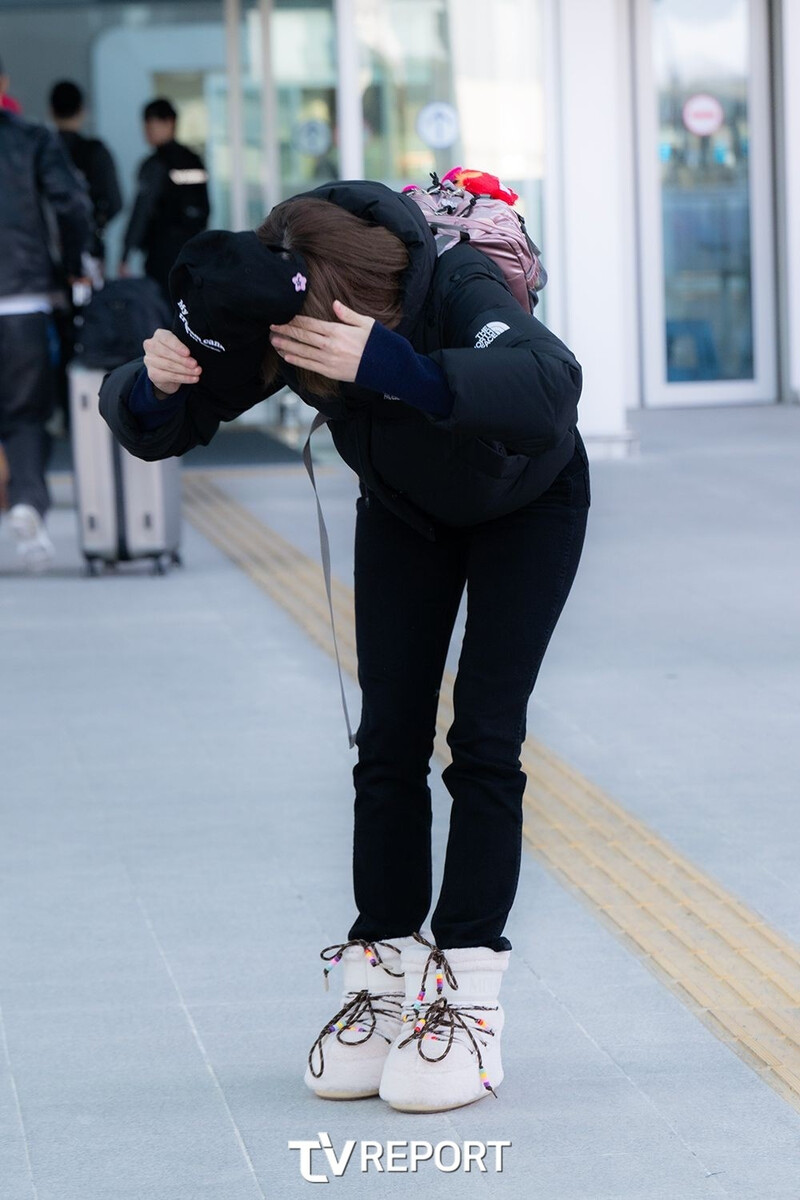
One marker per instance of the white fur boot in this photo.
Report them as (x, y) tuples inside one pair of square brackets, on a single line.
[(448, 1052), (346, 1060)]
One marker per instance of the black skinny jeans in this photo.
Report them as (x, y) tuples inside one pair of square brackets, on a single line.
[(518, 571)]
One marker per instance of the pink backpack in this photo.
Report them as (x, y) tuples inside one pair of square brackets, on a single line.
[(471, 206)]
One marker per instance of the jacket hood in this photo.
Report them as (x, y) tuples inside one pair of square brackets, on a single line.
[(379, 204)]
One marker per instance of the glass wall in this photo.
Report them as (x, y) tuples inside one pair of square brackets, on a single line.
[(702, 63), (437, 85), (289, 49), (446, 84)]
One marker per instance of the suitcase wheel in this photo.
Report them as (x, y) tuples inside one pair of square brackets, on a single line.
[(99, 566)]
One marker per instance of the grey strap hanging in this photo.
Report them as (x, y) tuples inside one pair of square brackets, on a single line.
[(325, 552)]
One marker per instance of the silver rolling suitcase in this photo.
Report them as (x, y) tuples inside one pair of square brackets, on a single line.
[(128, 509)]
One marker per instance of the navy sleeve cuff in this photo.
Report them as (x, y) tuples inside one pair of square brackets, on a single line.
[(148, 409), (391, 365)]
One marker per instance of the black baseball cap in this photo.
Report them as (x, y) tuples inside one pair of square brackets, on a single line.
[(228, 288)]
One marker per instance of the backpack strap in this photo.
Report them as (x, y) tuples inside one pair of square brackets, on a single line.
[(325, 553)]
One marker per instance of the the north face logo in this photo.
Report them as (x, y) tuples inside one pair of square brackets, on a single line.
[(486, 336)]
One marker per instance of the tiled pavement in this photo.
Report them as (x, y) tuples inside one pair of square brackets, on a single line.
[(174, 849)]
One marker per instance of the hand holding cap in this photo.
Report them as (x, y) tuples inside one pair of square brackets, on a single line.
[(227, 289)]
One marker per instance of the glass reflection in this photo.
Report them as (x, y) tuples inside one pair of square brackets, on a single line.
[(702, 72), (302, 41), (443, 85)]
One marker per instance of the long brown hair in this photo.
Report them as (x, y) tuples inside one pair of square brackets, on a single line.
[(348, 259)]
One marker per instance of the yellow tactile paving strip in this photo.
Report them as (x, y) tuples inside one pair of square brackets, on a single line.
[(738, 975)]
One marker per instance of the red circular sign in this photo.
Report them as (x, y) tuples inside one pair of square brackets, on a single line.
[(703, 114)]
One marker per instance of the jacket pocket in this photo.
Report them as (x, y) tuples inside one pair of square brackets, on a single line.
[(491, 458)]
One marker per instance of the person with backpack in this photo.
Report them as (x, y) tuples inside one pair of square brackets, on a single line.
[(457, 410), (90, 157), (171, 202), (95, 166)]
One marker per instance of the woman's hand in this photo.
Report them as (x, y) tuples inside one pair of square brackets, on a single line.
[(329, 348), (169, 363)]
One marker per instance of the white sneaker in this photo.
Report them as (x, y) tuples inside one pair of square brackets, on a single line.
[(346, 1061), (448, 1052), (33, 544)]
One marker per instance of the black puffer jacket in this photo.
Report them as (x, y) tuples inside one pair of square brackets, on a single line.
[(35, 170), (515, 385)]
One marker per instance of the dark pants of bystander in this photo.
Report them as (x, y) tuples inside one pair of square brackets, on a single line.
[(27, 396)]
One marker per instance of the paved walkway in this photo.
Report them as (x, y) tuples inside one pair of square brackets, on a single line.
[(174, 849)]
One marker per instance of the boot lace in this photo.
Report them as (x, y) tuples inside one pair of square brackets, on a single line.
[(449, 1023), (441, 1021), (436, 961), (333, 955), (359, 1014)]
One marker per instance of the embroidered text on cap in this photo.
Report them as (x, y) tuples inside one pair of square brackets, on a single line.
[(209, 343)]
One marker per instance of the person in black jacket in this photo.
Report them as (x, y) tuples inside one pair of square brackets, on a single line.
[(93, 162), (457, 410), (171, 203), (90, 156), (35, 174)]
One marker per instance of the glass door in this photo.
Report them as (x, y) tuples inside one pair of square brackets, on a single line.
[(706, 237), (289, 78)]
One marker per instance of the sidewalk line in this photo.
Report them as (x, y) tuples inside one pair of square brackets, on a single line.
[(5, 1060), (195, 1032), (721, 959)]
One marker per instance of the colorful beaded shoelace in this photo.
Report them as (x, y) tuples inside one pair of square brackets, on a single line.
[(361, 1010), (436, 960), (445, 1022), (333, 955), (358, 1015)]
